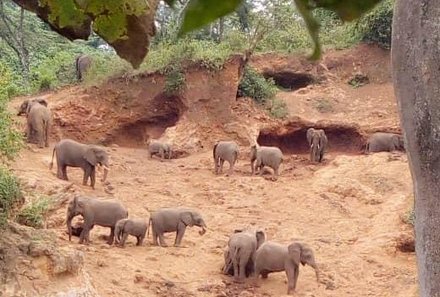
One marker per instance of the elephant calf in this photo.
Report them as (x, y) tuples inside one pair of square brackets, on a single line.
[(159, 148), (75, 154), (385, 142), (174, 220), (38, 121), (318, 143), (275, 257), (241, 252), (225, 151), (135, 227), (266, 156), (105, 213)]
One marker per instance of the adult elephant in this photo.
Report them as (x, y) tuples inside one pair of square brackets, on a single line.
[(82, 64), (318, 143), (38, 121), (275, 257), (105, 213), (75, 154), (384, 142), (225, 151)]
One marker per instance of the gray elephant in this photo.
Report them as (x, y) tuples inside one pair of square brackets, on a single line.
[(266, 156), (75, 154), (385, 142), (276, 257), (38, 121), (162, 149), (82, 64), (225, 151), (135, 227), (174, 220), (318, 143), (94, 211), (228, 267), (242, 247)]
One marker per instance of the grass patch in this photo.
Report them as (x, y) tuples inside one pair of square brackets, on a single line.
[(33, 214), (323, 105), (409, 217), (10, 194), (278, 109)]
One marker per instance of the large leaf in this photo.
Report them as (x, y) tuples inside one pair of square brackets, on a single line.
[(200, 13)]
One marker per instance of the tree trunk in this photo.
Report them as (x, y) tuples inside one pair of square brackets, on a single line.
[(416, 74)]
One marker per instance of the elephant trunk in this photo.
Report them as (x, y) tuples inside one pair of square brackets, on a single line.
[(69, 226), (204, 227), (106, 170), (317, 272)]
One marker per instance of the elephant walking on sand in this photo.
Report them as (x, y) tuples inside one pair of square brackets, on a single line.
[(266, 156), (82, 64), (38, 121), (162, 149), (318, 143), (135, 227), (75, 154), (105, 213), (241, 253), (384, 142), (274, 257), (174, 220), (225, 151)]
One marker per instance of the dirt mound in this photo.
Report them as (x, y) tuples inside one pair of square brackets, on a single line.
[(290, 137)]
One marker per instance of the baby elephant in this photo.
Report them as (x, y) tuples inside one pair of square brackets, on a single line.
[(135, 227), (174, 220), (156, 147), (385, 142), (266, 156), (225, 151), (275, 257), (241, 252)]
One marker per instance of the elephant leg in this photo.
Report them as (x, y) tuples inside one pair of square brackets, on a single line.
[(264, 274), (261, 169), (155, 236), (111, 236), (276, 172), (236, 271), (242, 270), (28, 132), (292, 277), (179, 234), (40, 137), (216, 165), (46, 135), (221, 165), (162, 239), (93, 177), (60, 173), (162, 153), (231, 167), (140, 240), (84, 236), (64, 172), (124, 238)]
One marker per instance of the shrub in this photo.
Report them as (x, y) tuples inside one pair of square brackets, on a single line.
[(410, 217), (254, 85), (278, 109), (33, 214), (323, 105), (174, 80), (10, 194)]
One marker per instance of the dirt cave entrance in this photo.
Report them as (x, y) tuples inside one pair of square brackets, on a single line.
[(290, 80), (291, 138)]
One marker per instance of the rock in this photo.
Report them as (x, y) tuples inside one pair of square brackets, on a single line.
[(70, 261)]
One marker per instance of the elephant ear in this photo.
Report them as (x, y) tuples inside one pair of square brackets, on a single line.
[(186, 218), (90, 156), (261, 237), (309, 135), (41, 101), (294, 251)]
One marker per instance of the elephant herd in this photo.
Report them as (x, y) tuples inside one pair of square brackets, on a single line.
[(247, 253)]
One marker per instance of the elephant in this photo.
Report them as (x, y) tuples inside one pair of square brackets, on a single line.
[(38, 121), (225, 151), (276, 257), (228, 268), (94, 211), (174, 220), (318, 143), (266, 156), (82, 64), (160, 148), (385, 142), (75, 154), (135, 227), (241, 251)]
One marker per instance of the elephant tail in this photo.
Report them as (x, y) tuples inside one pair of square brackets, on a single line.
[(235, 259), (51, 161)]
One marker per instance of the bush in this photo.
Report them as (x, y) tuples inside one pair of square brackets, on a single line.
[(174, 80), (254, 85), (323, 105), (410, 217), (278, 109), (10, 194), (376, 26), (33, 214)]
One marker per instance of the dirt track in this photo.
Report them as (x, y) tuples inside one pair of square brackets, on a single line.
[(348, 209)]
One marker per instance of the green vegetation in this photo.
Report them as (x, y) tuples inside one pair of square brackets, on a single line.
[(323, 105), (10, 194), (410, 217), (254, 85), (34, 213), (174, 80)]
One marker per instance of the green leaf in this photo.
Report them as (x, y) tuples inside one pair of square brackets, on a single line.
[(170, 2), (200, 13), (348, 10), (312, 27)]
